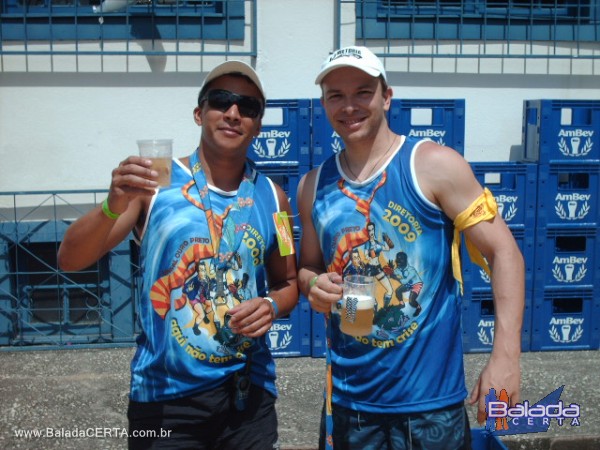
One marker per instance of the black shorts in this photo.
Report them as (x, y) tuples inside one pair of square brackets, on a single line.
[(208, 420)]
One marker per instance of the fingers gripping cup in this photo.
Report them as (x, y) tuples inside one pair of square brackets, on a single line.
[(160, 151), (357, 305)]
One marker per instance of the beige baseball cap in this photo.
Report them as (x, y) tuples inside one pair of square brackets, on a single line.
[(234, 66)]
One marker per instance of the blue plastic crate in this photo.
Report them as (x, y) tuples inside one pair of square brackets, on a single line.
[(318, 337), (566, 319), (561, 130), (567, 257), (514, 186), (482, 439), (287, 178), (285, 136), (290, 336), (568, 193), (478, 322), (325, 141), (442, 121), (474, 277)]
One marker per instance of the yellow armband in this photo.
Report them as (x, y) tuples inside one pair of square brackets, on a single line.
[(483, 208)]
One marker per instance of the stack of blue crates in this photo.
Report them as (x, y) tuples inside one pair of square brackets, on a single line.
[(282, 149), (563, 138), (514, 186), (282, 152), (292, 335)]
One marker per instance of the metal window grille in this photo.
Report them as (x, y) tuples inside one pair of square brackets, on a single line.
[(475, 28), (125, 27), (43, 306)]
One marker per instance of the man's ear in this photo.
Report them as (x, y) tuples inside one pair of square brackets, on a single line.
[(198, 115), (388, 94)]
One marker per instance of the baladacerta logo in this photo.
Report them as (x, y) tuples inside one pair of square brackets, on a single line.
[(522, 418)]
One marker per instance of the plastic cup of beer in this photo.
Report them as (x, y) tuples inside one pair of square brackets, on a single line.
[(357, 307), (160, 151)]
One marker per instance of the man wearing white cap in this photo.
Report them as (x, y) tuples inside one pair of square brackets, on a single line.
[(402, 386), (202, 376)]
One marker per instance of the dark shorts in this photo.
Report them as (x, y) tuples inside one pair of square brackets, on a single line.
[(205, 421), (442, 429)]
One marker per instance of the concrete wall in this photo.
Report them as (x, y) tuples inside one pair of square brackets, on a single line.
[(66, 121)]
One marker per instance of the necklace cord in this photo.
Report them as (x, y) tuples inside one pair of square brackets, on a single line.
[(356, 178)]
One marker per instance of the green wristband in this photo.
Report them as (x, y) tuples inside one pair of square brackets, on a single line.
[(107, 212), (313, 281)]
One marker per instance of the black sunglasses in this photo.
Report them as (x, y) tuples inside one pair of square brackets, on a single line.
[(221, 100)]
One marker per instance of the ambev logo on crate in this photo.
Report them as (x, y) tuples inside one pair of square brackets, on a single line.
[(336, 143), (507, 206), (280, 336), (522, 418), (566, 330), (434, 135), (569, 269), (485, 333), (274, 147), (577, 206), (576, 143)]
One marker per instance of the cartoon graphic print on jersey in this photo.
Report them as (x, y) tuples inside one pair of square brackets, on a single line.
[(374, 253), (196, 295)]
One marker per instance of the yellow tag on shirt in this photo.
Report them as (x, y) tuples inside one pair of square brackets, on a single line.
[(284, 233)]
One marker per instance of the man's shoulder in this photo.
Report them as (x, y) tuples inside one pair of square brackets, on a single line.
[(432, 154), (428, 145), (439, 169), (265, 183)]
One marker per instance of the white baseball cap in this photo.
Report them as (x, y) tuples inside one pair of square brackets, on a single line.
[(234, 66), (359, 57)]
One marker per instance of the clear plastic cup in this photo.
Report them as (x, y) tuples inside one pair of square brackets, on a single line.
[(160, 151)]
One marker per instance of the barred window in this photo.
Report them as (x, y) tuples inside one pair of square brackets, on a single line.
[(543, 20), (26, 20)]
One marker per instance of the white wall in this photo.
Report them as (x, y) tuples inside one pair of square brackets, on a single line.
[(65, 122)]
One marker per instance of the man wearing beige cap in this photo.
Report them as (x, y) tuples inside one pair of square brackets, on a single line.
[(401, 386), (202, 376)]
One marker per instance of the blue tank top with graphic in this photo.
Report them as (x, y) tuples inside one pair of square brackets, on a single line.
[(385, 228), (186, 345)]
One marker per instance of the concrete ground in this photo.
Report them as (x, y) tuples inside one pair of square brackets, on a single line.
[(85, 391)]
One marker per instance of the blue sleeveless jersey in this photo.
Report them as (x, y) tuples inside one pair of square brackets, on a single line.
[(387, 229), (186, 345)]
